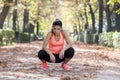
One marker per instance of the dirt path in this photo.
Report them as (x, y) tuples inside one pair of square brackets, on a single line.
[(91, 62)]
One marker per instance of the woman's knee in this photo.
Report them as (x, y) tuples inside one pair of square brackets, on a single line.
[(41, 54), (71, 50), (69, 53)]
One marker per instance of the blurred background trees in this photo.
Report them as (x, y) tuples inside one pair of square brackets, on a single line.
[(33, 18), (6, 7)]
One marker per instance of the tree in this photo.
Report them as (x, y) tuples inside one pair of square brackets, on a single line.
[(91, 8), (117, 17), (38, 14), (15, 17), (5, 10), (100, 2), (108, 16), (92, 17), (86, 17), (116, 9), (78, 15), (26, 18)]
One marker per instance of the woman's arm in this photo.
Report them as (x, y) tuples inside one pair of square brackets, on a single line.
[(45, 43), (67, 39)]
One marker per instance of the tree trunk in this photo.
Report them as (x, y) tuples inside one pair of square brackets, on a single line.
[(79, 25), (108, 17), (86, 18), (117, 22), (38, 16), (92, 17), (100, 16), (31, 27), (4, 14), (25, 20), (15, 16), (78, 16), (37, 28), (14, 19), (109, 25), (117, 17)]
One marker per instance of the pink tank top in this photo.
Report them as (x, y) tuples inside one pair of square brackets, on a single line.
[(56, 46)]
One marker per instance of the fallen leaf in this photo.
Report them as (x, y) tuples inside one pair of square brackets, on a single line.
[(3, 64)]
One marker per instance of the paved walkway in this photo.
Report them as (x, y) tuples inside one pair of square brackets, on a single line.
[(91, 62)]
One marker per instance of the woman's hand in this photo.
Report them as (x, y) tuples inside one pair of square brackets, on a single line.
[(61, 55), (52, 58)]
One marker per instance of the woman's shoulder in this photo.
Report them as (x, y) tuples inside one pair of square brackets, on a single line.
[(63, 31), (49, 33), (48, 36)]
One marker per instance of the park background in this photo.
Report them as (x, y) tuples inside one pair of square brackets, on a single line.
[(89, 21), (92, 25)]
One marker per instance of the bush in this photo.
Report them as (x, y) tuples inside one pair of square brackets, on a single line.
[(116, 40), (90, 38), (110, 39), (106, 39), (27, 37), (24, 37), (81, 37), (86, 37), (6, 36), (103, 39)]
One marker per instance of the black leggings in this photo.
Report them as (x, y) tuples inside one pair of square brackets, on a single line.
[(43, 55)]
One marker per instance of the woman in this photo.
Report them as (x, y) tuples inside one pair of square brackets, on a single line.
[(56, 52)]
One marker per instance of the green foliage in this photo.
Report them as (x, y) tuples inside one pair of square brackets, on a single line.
[(106, 39), (6, 36), (24, 37), (112, 2), (87, 38), (93, 0), (7, 33), (90, 38), (116, 40), (81, 37), (42, 23), (118, 11), (110, 39)]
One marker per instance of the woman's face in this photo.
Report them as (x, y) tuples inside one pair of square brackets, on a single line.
[(56, 29)]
